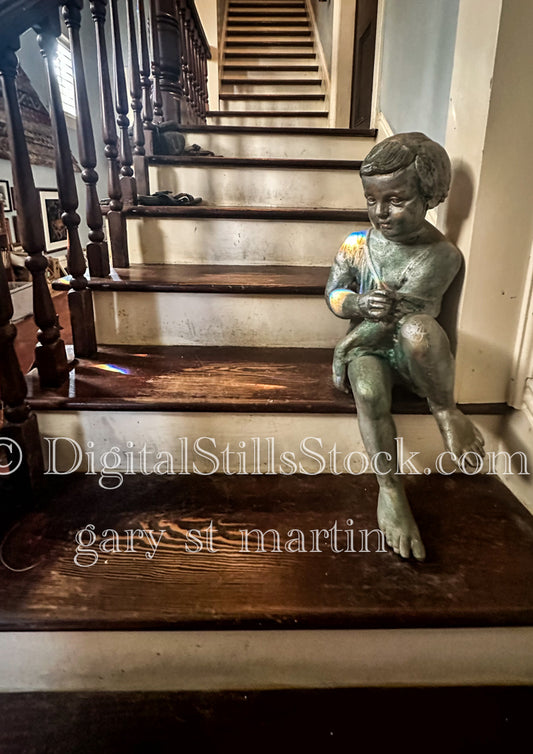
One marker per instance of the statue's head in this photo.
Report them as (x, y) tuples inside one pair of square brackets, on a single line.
[(428, 159)]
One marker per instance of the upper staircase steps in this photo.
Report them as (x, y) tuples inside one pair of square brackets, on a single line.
[(260, 37)]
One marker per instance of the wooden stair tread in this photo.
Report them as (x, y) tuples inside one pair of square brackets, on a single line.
[(256, 162), (478, 537), (204, 278), (371, 133), (271, 82), (221, 378), (249, 213), (267, 113), (282, 96)]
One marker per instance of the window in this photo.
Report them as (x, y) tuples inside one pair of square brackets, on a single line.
[(65, 77)]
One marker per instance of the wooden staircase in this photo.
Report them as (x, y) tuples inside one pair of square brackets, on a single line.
[(218, 332)]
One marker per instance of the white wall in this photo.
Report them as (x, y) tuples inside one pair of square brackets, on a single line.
[(417, 61)]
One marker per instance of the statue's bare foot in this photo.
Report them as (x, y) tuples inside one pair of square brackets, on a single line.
[(339, 372), (398, 525), (459, 434)]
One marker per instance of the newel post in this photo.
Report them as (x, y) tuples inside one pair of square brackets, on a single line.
[(167, 34)]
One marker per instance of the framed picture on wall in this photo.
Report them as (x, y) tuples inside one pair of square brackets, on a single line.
[(55, 232), (5, 195)]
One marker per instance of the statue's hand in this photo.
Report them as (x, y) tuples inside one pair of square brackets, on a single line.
[(376, 304)]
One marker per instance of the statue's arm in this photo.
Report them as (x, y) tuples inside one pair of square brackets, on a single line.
[(427, 282), (342, 301)]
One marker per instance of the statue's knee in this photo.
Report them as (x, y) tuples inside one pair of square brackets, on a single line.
[(371, 399), (417, 334)]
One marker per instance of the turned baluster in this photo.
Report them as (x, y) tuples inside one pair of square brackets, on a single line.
[(127, 181), (190, 62), (97, 250), (184, 79), (168, 43), (115, 218), (50, 356), (80, 298), (20, 425), (197, 74), (146, 84), (204, 78), (157, 97)]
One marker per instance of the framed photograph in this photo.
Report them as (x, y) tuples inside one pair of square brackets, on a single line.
[(55, 232), (5, 195)]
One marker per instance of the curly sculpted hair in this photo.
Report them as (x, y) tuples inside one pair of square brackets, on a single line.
[(431, 162)]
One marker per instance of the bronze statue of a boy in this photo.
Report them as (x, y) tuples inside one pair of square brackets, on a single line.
[(389, 282)]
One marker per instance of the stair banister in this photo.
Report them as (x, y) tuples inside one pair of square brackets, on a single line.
[(128, 185), (139, 163), (50, 355), (146, 82), (79, 297), (185, 81), (115, 217), (97, 250), (157, 97)]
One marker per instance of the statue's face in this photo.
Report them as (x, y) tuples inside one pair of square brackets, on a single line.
[(395, 205)]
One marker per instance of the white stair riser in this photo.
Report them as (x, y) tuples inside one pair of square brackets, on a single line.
[(256, 59), (263, 187), (271, 41), (309, 146), (272, 89), (220, 241), (257, 49), (298, 105), (269, 121), (267, 73), (215, 319), (161, 432), (256, 30), (289, 21)]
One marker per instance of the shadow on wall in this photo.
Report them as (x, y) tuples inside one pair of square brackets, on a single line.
[(458, 208)]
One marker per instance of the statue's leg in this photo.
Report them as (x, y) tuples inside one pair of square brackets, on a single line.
[(424, 350), (371, 381)]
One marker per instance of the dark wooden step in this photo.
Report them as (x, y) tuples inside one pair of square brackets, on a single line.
[(496, 719), (478, 571), (263, 45), (285, 97), (222, 378), (222, 278), (256, 162), (268, 31), (272, 82), (273, 21), (283, 214), (269, 53), (267, 114), (267, 10), (267, 68), (371, 133)]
